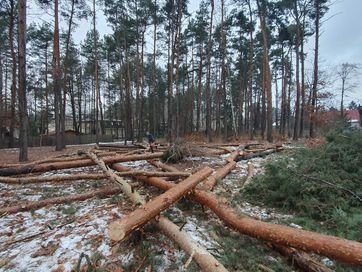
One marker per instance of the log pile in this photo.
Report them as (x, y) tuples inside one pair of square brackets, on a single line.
[(195, 185)]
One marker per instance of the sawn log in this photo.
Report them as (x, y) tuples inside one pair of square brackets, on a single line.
[(73, 164), (33, 205)]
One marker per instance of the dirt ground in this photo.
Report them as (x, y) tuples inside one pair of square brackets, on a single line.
[(11, 155)]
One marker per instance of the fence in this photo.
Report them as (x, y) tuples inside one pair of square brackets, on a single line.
[(50, 140)]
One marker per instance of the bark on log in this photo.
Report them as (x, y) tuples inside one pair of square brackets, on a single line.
[(73, 164), (332, 247), (39, 179), (33, 205), (259, 154), (119, 229), (249, 175), (203, 258), (131, 146), (153, 174), (126, 188), (163, 166), (218, 175)]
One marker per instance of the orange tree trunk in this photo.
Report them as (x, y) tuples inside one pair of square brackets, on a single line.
[(73, 164), (121, 228), (333, 247), (219, 174), (40, 179), (33, 205)]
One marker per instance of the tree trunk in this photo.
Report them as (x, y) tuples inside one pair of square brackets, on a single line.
[(120, 229), (297, 73), (153, 119), (208, 79), (250, 76), (1, 91), (73, 164), (342, 96), (223, 71), (266, 72), (312, 117), (56, 80), (40, 179), (34, 205), (219, 175), (66, 76), (13, 76), (199, 93), (23, 114)]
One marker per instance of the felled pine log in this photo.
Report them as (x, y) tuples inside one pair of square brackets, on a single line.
[(163, 166), (34, 205), (153, 174), (73, 164), (204, 259), (119, 229), (330, 246), (40, 179), (222, 172), (248, 156)]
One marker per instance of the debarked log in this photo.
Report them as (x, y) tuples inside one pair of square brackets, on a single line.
[(121, 228), (330, 246), (33, 205), (73, 164)]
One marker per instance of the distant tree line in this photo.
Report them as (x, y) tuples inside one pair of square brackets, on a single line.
[(231, 68)]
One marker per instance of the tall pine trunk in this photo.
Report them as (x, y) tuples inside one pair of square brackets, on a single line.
[(266, 72), (56, 79), (208, 79), (14, 67), (312, 118), (23, 139)]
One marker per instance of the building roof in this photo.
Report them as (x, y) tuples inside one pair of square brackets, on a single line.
[(353, 115)]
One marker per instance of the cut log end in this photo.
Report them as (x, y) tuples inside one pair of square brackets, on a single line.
[(116, 231)]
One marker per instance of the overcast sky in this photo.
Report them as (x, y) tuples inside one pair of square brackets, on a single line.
[(341, 40)]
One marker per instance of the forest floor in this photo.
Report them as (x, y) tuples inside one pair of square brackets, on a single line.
[(53, 238), (11, 155)]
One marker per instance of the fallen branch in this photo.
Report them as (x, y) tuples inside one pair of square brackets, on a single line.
[(330, 184), (333, 247), (119, 229), (301, 259), (34, 205)]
